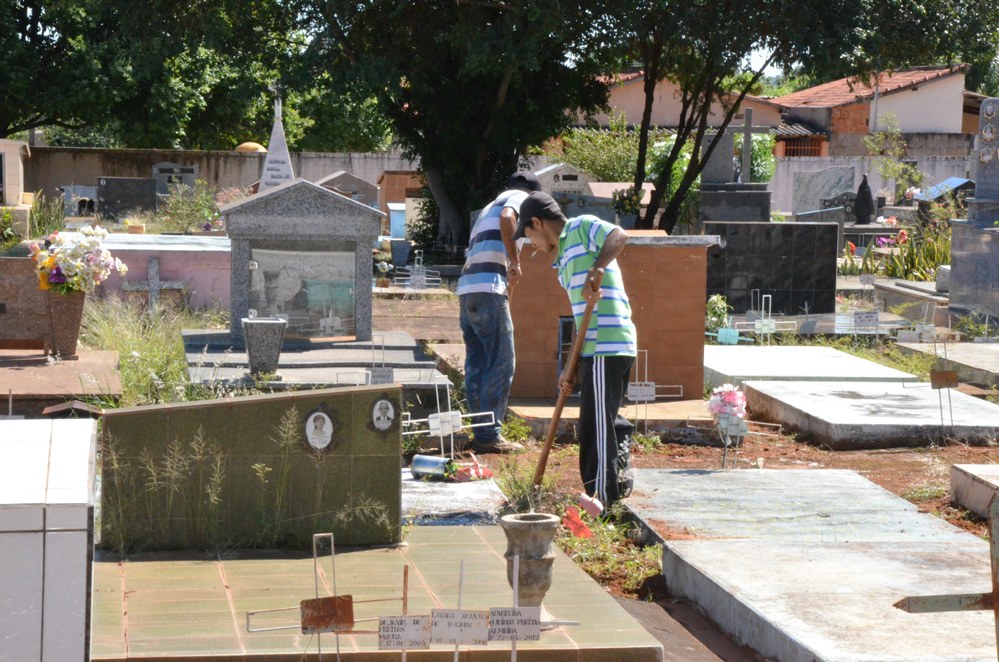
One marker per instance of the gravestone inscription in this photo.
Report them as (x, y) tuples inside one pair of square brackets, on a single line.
[(170, 175)]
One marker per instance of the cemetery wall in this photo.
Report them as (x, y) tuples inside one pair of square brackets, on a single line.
[(920, 145), (666, 287), (241, 472), (937, 169), (51, 167)]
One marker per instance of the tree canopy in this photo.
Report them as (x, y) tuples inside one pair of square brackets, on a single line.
[(468, 86)]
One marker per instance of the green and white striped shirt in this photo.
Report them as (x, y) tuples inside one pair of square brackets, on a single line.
[(611, 331)]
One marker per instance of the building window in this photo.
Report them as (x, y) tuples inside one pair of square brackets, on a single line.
[(805, 146)]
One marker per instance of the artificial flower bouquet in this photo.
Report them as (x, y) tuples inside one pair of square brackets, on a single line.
[(74, 262), (727, 400)]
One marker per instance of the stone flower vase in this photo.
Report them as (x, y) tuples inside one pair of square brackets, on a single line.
[(264, 337), (65, 314), (529, 536)]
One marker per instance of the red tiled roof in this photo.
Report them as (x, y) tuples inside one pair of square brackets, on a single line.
[(846, 90), (621, 78)]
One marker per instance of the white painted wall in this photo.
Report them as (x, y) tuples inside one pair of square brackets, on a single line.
[(934, 107), (781, 186)]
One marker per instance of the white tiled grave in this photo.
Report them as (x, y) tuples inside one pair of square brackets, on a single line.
[(47, 474), (732, 364), (845, 415), (805, 565), (973, 486)]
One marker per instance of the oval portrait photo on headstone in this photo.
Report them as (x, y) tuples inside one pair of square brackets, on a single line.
[(319, 430), (383, 415)]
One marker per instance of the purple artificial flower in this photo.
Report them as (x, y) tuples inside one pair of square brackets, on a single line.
[(56, 276)]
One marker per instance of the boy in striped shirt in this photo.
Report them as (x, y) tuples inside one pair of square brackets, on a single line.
[(582, 247)]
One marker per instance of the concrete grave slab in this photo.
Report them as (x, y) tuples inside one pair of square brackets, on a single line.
[(437, 502), (833, 601), (734, 365), (846, 415), (973, 486), (974, 362), (211, 358), (178, 608), (805, 565), (814, 505)]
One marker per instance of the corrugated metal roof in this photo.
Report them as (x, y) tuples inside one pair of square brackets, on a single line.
[(792, 129)]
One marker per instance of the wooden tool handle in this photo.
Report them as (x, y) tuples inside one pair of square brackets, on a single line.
[(569, 369)]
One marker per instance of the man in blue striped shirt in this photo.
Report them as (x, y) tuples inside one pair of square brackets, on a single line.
[(492, 265)]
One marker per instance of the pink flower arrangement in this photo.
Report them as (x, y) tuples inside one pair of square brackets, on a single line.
[(727, 399)]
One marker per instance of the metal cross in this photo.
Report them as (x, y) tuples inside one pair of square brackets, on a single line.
[(153, 284), (928, 604)]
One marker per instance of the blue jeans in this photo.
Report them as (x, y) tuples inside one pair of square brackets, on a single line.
[(488, 332)]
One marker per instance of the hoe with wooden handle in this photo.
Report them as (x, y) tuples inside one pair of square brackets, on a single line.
[(569, 369)]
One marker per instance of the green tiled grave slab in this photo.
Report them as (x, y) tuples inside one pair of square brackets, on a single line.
[(187, 618), (265, 490)]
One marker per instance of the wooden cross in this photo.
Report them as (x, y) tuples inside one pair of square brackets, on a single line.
[(927, 604), (747, 130), (153, 284)]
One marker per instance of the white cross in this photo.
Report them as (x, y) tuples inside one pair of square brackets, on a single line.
[(153, 284)]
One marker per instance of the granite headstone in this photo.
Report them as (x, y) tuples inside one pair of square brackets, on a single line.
[(169, 175), (809, 189), (303, 252), (119, 196)]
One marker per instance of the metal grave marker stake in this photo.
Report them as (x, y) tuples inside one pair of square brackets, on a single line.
[(646, 391), (445, 423), (762, 322), (329, 614), (380, 374), (931, 604), (944, 380), (866, 321)]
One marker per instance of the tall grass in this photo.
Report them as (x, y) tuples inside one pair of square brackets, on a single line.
[(47, 215), (151, 357)]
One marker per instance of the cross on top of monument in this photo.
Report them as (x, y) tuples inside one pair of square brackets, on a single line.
[(747, 130)]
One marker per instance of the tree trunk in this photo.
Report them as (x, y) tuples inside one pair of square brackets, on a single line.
[(651, 68), (451, 226)]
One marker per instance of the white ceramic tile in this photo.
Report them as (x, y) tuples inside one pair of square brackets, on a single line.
[(23, 466), (67, 518), (26, 430), (20, 518), (21, 596), (68, 561)]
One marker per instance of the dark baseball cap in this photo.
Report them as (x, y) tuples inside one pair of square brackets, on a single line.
[(539, 205), (525, 180)]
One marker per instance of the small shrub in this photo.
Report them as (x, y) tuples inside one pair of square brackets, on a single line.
[(515, 428), (189, 209), (716, 314), (646, 443), (927, 491)]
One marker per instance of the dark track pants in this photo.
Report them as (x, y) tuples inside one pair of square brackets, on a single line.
[(604, 436)]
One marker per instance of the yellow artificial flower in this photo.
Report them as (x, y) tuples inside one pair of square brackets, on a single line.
[(43, 282)]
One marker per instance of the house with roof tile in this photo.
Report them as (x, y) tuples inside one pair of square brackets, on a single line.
[(627, 95), (937, 116)]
